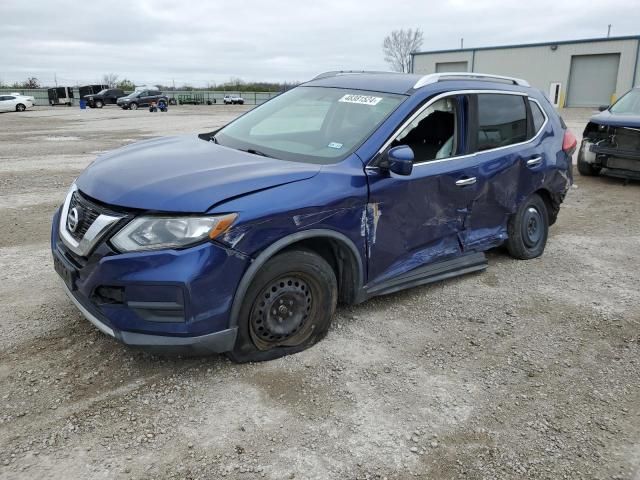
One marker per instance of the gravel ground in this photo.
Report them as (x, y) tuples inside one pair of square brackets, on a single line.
[(528, 370)]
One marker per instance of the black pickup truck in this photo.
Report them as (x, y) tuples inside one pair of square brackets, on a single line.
[(142, 98), (108, 96)]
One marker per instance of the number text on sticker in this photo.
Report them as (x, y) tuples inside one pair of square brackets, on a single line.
[(361, 99)]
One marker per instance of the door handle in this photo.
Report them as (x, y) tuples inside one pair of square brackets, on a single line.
[(463, 182), (534, 162)]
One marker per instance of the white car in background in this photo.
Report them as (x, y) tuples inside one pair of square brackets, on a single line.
[(233, 100), (14, 103), (31, 99)]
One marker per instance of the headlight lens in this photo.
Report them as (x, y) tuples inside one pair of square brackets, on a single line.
[(152, 233)]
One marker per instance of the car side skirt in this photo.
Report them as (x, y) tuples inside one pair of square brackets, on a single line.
[(434, 272)]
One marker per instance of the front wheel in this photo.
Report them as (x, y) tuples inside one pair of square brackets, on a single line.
[(528, 229), (287, 308), (99, 104), (20, 107), (133, 106)]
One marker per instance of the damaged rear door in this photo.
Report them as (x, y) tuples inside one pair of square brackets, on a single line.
[(509, 166), (415, 220)]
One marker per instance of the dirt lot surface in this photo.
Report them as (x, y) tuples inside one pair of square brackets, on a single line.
[(528, 370)]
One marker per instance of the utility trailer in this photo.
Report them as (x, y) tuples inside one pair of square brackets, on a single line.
[(91, 89), (60, 96), (191, 99)]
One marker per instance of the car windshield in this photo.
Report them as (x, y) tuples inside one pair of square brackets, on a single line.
[(310, 124), (629, 104), (102, 92)]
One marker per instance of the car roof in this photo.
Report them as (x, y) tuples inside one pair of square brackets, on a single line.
[(406, 84), (388, 82)]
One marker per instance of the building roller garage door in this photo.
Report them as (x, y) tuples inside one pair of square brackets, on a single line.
[(451, 67), (592, 80)]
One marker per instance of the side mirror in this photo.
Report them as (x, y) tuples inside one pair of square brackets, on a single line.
[(602, 108), (398, 160)]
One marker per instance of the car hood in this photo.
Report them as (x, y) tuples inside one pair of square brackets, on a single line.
[(183, 174), (613, 120)]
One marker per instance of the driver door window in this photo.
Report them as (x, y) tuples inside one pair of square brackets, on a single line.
[(432, 134)]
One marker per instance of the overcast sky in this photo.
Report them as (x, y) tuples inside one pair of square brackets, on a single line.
[(195, 42)]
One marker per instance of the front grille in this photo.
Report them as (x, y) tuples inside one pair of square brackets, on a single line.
[(87, 213)]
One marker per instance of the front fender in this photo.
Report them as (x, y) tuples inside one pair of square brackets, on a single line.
[(280, 245)]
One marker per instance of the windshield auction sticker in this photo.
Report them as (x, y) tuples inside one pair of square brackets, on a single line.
[(361, 99)]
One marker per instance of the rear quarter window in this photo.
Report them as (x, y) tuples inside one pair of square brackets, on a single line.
[(502, 120), (537, 116)]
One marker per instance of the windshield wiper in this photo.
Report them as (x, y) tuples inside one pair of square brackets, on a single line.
[(257, 152)]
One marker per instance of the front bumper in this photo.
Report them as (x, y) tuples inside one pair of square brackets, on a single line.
[(612, 161), (163, 298), (216, 342)]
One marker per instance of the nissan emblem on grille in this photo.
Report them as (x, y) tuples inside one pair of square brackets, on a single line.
[(73, 219)]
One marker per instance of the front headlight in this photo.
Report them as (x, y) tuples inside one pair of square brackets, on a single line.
[(152, 233)]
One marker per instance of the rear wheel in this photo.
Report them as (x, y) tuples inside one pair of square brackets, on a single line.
[(528, 229), (20, 107), (287, 308)]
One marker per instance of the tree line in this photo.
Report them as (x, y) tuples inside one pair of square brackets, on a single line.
[(114, 81)]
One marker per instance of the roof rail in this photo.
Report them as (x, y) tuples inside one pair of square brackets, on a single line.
[(335, 73), (437, 77)]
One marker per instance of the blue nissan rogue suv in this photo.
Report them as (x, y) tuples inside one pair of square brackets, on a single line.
[(352, 185)]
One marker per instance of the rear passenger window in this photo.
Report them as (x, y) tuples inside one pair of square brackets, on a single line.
[(502, 120), (538, 116)]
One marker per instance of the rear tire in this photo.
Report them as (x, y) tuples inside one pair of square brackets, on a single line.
[(528, 229), (287, 308), (20, 107)]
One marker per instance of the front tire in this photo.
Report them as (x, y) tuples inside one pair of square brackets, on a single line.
[(20, 107), (133, 106), (287, 308), (99, 104), (528, 229)]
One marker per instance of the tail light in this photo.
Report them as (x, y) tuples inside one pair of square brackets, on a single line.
[(569, 142)]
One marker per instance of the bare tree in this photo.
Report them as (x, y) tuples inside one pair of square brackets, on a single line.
[(110, 79), (397, 48), (126, 85), (31, 82)]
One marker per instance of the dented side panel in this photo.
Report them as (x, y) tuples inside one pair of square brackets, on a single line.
[(504, 181), (417, 217), (292, 208)]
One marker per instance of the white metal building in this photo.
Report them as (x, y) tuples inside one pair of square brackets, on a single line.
[(576, 73)]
